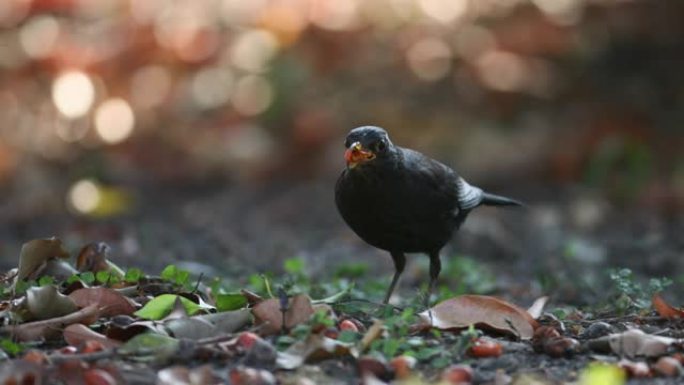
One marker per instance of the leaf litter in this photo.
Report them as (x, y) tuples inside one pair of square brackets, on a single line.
[(94, 320)]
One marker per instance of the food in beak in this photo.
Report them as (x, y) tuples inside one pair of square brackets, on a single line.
[(356, 154)]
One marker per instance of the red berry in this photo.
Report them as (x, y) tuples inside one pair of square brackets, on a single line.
[(349, 325), (247, 339), (485, 348), (458, 374)]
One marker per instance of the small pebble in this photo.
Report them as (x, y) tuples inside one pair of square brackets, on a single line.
[(596, 330)]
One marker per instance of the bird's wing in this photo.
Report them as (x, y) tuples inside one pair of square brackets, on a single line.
[(444, 180)]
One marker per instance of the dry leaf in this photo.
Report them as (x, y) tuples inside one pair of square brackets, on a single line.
[(228, 321), (77, 334), (32, 331), (482, 311), (664, 309), (109, 301), (373, 333), (537, 308), (268, 314), (315, 347), (35, 253), (635, 343), (47, 302), (190, 328)]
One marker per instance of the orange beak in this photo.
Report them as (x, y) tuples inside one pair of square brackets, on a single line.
[(355, 154)]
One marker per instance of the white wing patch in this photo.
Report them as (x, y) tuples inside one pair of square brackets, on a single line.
[(469, 196)]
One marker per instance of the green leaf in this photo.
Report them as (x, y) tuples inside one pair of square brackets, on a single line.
[(169, 273), (161, 306), (349, 336), (106, 277), (133, 275), (335, 297), (391, 347), (46, 280), (230, 301), (427, 353), (294, 265), (155, 344), (352, 270), (88, 277), (174, 274), (440, 362)]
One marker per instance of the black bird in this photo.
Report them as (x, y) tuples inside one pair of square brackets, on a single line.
[(399, 200)]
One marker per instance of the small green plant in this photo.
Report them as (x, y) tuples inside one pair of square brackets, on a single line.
[(10, 347), (175, 275), (133, 275), (469, 275), (632, 294), (351, 270)]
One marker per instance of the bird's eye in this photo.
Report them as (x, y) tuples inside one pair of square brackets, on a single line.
[(346, 143), (380, 146)]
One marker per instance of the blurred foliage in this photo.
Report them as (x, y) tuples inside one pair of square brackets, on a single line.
[(117, 90)]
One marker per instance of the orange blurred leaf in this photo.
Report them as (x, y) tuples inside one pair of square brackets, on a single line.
[(664, 309)]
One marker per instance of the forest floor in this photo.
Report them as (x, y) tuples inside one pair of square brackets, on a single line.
[(245, 259)]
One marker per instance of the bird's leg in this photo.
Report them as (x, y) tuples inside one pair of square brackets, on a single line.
[(435, 268), (399, 264)]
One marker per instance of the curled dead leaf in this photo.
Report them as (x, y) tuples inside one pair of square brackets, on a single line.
[(315, 347), (537, 308), (78, 334), (47, 302), (664, 309), (35, 254), (485, 312), (95, 257), (268, 314), (636, 343)]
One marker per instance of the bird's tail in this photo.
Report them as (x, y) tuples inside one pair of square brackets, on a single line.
[(498, 200)]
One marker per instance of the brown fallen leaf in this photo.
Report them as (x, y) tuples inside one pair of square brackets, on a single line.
[(664, 309), (78, 334), (268, 314), (95, 257), (48, 328), (485, 312), (110, 301)]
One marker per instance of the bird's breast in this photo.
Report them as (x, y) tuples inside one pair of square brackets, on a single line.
[(392, 213)]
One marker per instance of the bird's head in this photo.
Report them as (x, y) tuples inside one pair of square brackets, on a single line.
[(365, 144)]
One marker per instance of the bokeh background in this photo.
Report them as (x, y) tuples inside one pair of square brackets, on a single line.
[(209, 132)]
